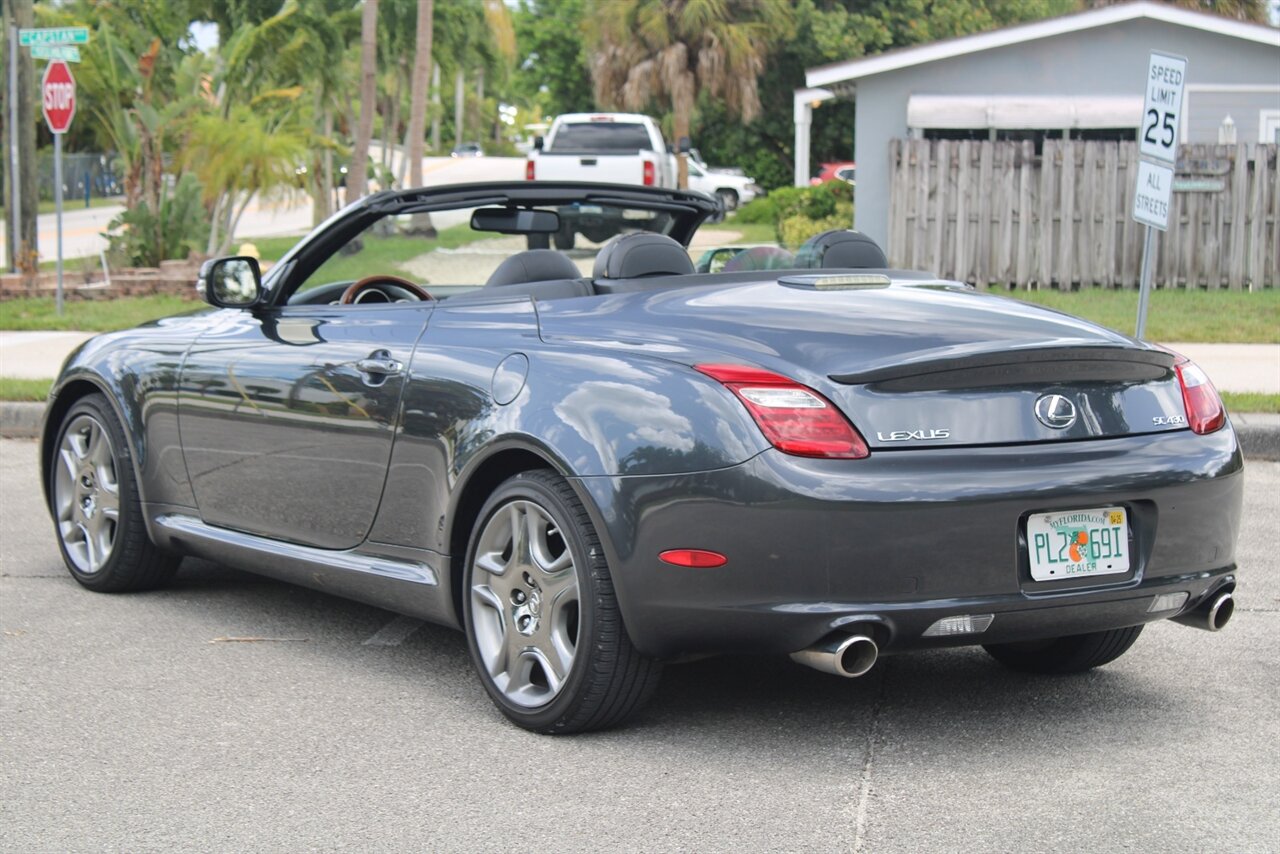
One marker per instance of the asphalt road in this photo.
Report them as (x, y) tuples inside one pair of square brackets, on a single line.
[(127, 726)]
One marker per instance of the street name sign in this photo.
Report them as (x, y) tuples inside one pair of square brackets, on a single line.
[(1153, 194), (65, 52), (54, 35), (1162, 108), (58, 96)]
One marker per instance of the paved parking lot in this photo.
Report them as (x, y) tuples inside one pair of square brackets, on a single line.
[(128, 725)]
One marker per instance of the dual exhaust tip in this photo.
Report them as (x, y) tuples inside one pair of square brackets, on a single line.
[(840, 655), (1211, 615), (852, 655)]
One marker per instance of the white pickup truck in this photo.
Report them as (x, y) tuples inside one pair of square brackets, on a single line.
[(610, 148)]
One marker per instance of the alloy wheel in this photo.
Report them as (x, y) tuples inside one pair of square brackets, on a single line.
[(86, 491), (525, 603)]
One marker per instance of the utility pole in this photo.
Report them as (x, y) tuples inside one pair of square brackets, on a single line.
[(27, 249)]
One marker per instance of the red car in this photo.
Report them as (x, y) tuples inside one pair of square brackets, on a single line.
[(844, 170)]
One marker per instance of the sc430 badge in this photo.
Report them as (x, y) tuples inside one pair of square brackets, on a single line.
[(914, 435), (1165, 420)]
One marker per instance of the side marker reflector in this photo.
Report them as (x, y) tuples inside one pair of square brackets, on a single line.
[(694, 558)]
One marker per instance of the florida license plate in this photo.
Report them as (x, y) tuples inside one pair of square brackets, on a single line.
[(1078, 543)]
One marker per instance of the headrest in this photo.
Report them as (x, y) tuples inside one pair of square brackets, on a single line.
[(533, 265), (633, 256), (840, 248)]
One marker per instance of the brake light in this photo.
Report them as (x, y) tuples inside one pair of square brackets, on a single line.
[(648, 173), (793, 417), (528, 170), (1205, 412)]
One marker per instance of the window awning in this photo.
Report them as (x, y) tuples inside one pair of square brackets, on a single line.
[(1024, 112)]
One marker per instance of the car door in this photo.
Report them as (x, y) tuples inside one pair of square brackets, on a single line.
[(288, 415)]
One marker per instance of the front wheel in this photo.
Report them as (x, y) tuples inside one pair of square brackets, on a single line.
[(541, 616), (1071, 654), (96, 507)]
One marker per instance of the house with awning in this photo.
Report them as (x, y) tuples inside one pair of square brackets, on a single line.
[(1076, 77)]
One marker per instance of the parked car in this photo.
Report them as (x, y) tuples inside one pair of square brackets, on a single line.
[(731, 189), (590, 475), (615, 148), (468, 149), (840, 171)]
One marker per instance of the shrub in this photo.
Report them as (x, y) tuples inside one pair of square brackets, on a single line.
[(140, 238), (758, 210), (798, 213)]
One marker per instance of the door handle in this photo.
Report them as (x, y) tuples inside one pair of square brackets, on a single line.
[(380, 364)]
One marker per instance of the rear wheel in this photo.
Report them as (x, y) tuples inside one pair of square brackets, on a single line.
[(542, 620), (729, 198), (1071, 654), (96, 507)]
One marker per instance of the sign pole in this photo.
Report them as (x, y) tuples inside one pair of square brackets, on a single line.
[(57, 205), (1144, 292), (15, 220), (1158, 158)]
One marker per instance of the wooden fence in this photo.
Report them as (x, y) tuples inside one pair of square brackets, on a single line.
[(996, 212)]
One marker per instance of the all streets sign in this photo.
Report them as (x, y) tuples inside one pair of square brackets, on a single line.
[(58, 96), (1153, 194), (1158, 139)]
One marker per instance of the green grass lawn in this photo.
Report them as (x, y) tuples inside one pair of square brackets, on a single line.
[(751, 232), (100, 315), (1215, 317), (12, 388)]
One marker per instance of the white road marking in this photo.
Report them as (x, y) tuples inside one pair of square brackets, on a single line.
[(395, 632)]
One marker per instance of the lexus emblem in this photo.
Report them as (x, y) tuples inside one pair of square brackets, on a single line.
[(1055, 411)]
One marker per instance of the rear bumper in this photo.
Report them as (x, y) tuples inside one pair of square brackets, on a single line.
[(905, 538)]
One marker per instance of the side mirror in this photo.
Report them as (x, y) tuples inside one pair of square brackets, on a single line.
[(234, 282), (685, 145), (538, 142)]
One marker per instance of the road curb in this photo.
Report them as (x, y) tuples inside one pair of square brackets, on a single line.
[(20, 420), (1259, 433)]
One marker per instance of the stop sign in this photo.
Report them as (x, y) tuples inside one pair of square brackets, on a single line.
[(58, 96)]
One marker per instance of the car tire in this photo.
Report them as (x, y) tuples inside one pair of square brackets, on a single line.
[(565, 240), (543, 627), (1072, 654), (729, 198), (96, 507)]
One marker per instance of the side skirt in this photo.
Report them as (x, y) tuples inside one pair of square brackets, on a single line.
[(404, 583)]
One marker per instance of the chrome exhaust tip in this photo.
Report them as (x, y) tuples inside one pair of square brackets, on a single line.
[(1212, 615), (840, 655)]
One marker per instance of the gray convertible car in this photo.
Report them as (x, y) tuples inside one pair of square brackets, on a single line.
[(595, 462)]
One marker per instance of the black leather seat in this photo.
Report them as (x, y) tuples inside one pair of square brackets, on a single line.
[(642, 254), (841, 248), (533, 265)]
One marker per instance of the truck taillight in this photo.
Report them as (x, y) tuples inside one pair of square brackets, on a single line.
[(528, 170), (648, 173), (793, 417)]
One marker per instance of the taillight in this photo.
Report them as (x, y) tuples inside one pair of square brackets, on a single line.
[(528, 170), (1205, 413), (648, 174), (793, 417)]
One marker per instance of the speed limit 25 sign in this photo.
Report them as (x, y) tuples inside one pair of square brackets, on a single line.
[(1162, 109)]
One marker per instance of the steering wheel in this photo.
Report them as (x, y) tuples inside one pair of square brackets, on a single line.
[(353, 291)]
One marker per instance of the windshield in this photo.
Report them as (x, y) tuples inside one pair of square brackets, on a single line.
[(444, 254), (600, 137)]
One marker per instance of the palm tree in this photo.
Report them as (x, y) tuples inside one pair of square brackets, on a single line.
[(418, 91), (669, 51), (420, 223), (357, 175)]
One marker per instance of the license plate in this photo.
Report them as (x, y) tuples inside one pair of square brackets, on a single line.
[(1078, 543)]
